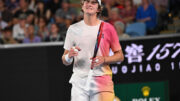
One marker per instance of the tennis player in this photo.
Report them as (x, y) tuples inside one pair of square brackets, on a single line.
[(79, 45)]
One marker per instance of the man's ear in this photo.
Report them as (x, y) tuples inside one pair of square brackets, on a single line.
[(98, 10)]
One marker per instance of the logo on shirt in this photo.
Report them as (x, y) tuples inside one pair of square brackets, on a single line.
[(102, 36)]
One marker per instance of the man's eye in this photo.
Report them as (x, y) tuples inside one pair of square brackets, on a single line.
[(93, 2)]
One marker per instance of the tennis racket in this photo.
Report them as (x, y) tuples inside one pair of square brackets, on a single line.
[(99, 35)]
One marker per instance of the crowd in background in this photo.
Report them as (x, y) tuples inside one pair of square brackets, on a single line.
[(33, 21)]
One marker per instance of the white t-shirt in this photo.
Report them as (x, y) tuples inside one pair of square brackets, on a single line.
[(18, 32), (84, 36)]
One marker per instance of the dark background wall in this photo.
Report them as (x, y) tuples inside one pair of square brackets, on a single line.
[(149, 73), (34, 74)]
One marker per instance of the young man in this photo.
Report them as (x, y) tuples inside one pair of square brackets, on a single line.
[(79, 45)]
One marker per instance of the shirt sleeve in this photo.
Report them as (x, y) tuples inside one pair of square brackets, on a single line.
[(114, 39), (68, 40)]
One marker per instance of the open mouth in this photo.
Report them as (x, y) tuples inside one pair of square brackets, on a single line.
[(89, 8)]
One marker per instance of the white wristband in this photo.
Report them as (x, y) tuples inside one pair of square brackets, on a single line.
[(68, 60)]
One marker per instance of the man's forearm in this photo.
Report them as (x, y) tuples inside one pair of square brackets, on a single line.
[(117, 57)]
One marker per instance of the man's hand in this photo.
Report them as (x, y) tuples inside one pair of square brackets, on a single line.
[(74, 51), (69, 54), (97, 61)]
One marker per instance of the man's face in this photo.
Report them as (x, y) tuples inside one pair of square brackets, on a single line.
[(54, 28), (7, 34), (90, 7), (144, 2), (22, 22), (114, 15), (30, 18), (31, 30), (127, 3), (42, 22), (23, 4), (65, 5)]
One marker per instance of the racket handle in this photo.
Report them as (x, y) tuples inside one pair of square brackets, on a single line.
[(91, 66), (92, 63)]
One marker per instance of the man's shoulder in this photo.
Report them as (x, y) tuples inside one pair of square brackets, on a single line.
[(77, 24), (108, 25), (75, 28)]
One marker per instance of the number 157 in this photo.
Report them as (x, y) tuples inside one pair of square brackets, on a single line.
[(164, 51)]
